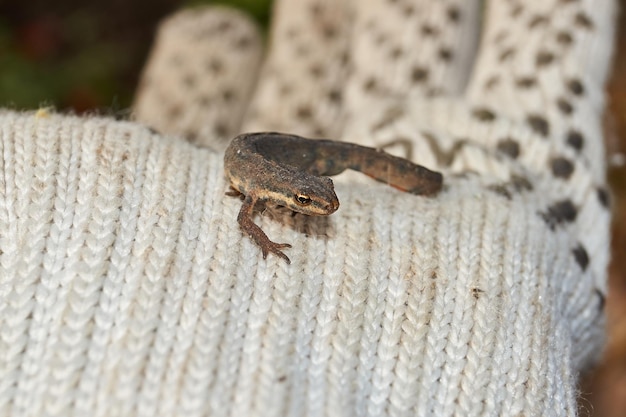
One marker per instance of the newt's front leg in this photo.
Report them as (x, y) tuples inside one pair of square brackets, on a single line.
[(256, 233)]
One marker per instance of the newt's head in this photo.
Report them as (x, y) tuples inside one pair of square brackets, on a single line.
[(314, 196)]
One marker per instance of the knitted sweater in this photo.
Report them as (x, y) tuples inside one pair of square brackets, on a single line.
[(128, 289)]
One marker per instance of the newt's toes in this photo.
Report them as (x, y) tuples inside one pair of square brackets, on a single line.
[(275, 248)]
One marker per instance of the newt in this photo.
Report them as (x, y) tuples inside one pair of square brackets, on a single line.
[(292, 171)]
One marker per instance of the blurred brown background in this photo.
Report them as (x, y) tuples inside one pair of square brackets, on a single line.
[(605, 390), (87, 56)]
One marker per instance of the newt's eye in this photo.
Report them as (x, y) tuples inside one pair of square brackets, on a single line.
[(302, 199)]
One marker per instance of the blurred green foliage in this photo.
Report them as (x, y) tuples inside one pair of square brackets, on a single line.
[(258, 9), (81, 55)]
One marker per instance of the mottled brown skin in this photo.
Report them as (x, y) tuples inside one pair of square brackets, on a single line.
[(291, 171)]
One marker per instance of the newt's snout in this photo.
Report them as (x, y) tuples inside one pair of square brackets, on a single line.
[(320, 206), (332, 206)]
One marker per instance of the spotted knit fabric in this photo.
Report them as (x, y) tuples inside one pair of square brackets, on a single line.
[(128, 289)]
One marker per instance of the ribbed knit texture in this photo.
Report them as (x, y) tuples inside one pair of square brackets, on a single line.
[(128, 289)]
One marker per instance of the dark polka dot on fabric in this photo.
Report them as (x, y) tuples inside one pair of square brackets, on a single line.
[(215, 66), (335, 96), (221, 130), (304, 112), (501, 190), (344, 58), (517, 10), (491, 82), (315, 9), (419, 74), (526, 82), (330, 31), (564, 210), (224, 25), (506, 54), (544, 58), (228, 95), (191, 136), (380, 39), (516, 184), (576, 87), (396, 53), (316, 70), (564, 106), (561, 167), (575, 140), (509, 147), (483, 114), (174, 112), (204, 100), (318, 132), (500, 36), (429, 30), (582, 20), (559, 213), (604, 197), (537, 21), (370, 84), (521, 183), (454, 14), (564, 38), (243, 43), (445, 54), (581, 256), (539, 124)]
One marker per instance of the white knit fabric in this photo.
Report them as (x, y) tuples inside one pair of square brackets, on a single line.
[(128, 289)]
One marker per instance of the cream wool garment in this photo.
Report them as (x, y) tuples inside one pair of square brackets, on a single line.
[(128, 289)]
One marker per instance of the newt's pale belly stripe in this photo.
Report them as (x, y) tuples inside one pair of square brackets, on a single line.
[(291, 171)]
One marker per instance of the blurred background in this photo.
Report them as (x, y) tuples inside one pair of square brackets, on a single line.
[(86, 56)]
